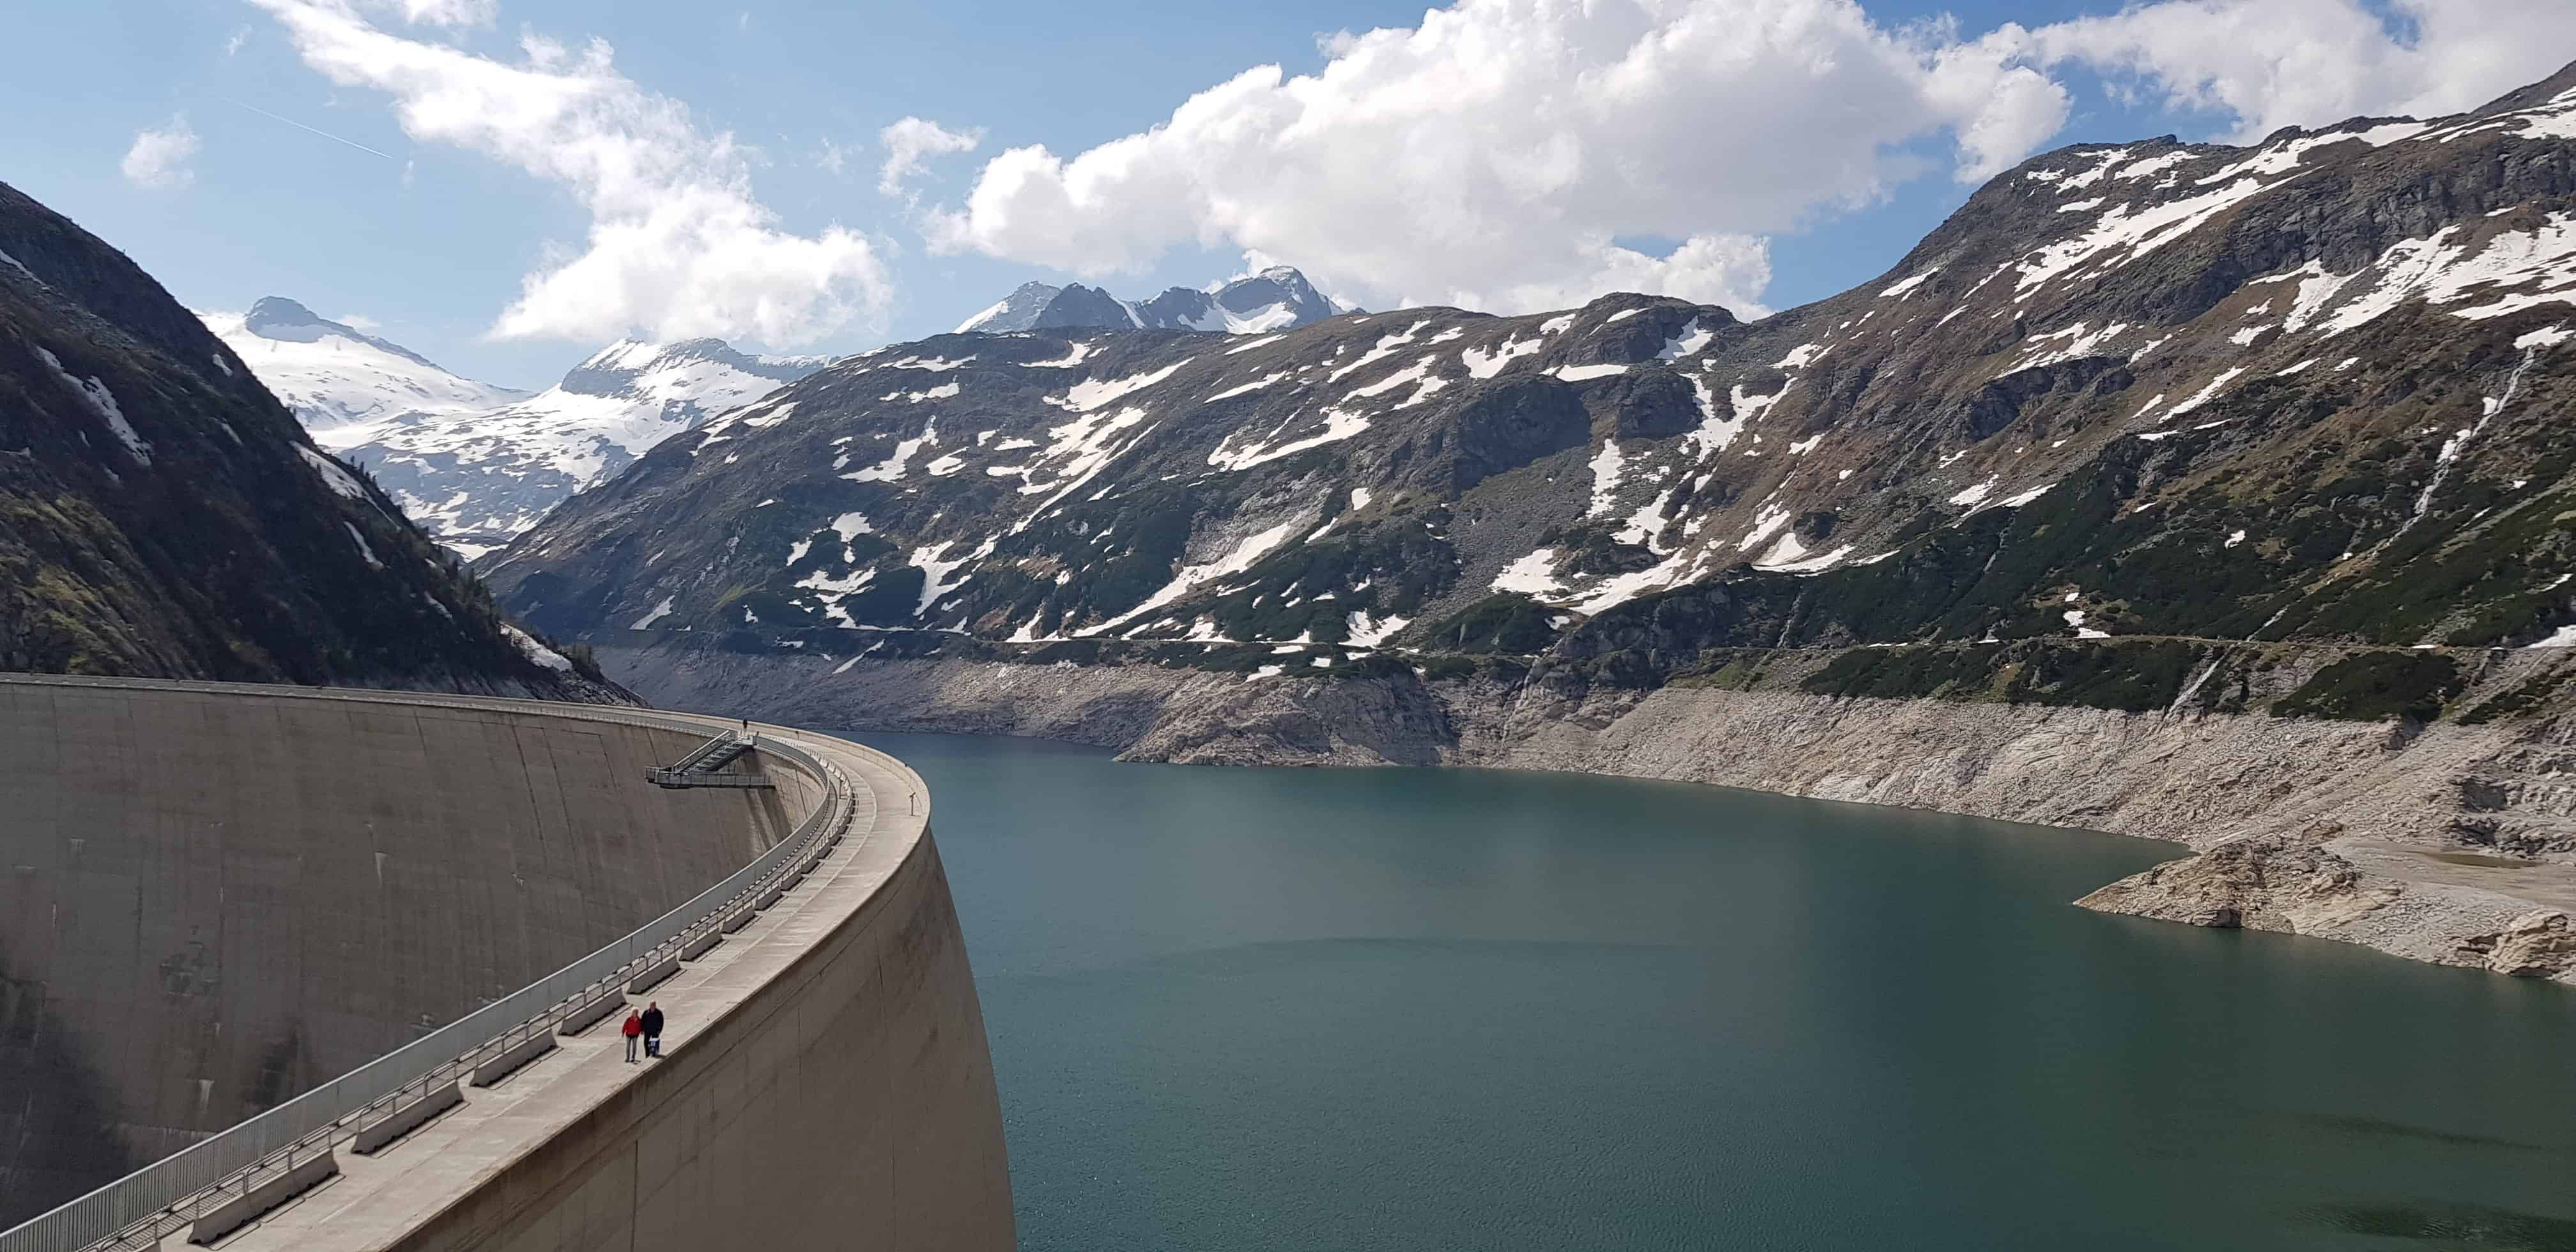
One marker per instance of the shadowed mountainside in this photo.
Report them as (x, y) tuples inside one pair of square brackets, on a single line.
[(162, 515)]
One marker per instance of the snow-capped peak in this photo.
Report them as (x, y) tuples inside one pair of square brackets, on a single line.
[(1014, 312), (711, 373), (1274, 299), (345, 385), (621, 355), (1275, 273)]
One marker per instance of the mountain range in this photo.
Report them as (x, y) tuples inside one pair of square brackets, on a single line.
[(1277, 298), (478, 464), (162, 515), (2231, 343), (2273, 435), (473, 462)]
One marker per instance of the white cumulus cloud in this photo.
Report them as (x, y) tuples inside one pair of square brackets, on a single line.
[(678, 245), (1509, 154), (444, 12), (1496, 155), (159, 157), (910, 141), (2274, 63)]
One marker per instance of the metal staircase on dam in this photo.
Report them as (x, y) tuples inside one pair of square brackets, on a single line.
[(704, 766)]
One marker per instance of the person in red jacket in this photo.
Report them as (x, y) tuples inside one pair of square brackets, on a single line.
[(634, 1031)]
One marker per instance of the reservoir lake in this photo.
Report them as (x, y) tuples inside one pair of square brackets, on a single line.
[(1403, 1010)]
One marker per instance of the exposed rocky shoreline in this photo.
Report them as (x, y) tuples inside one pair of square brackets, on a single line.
[(2453, 844)]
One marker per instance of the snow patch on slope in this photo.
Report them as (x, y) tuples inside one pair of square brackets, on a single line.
[(1338, 426), (101, 403), (1090, 395), (340, 481), (1245, 554), (1483, 364), (1534, 575), (891, 469)]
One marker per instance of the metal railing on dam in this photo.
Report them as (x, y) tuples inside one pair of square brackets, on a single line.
[(156, 1200)]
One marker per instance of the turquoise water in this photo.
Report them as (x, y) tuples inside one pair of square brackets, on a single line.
[(1238, 1009)]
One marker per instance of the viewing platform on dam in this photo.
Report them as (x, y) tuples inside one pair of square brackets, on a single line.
[(398, 933)]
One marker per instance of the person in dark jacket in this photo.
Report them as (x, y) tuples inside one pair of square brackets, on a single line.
[(653, 1029), (633, 1030)]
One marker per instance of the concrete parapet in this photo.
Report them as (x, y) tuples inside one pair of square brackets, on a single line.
[(515, 1057), (653, 976), (248, 1207), (583, 1017), (698, 947), (372, 1137)]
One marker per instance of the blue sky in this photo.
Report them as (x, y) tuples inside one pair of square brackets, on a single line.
[(433, 240)]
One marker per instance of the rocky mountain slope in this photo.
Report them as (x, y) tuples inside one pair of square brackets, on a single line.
[(1277, 298), (2158, 429), (161, 514), (475, 463)]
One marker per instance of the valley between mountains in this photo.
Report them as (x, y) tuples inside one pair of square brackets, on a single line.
[(2216, 494)]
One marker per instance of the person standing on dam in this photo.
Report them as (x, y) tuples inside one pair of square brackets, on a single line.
[(633, 1030), (653, 1029)]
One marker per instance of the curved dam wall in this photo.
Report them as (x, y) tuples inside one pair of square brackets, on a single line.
[(211, 900), (832, 1090)]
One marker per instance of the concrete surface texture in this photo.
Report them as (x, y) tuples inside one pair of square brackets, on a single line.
[(215, 900)]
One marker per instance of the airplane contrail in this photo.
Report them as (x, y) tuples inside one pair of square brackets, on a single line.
[(301, 126)]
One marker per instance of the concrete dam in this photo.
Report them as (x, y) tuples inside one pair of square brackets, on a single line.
[(324, 969)]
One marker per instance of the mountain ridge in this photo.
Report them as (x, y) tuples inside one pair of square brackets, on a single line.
[(1275, 298), (1697, 419)]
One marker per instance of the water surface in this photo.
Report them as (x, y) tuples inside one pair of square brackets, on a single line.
[(1245, 1009)]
